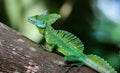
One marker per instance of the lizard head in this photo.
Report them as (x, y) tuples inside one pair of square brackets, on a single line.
[(43, 20), (37, 20)]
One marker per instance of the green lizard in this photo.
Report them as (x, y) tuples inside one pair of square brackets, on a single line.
[(67, 44)]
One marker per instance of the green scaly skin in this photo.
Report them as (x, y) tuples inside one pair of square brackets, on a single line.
[(67, 44)]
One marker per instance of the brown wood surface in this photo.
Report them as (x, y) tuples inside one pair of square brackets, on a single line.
[(19, 54)]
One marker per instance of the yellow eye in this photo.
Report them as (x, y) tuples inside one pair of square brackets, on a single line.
[(37, 16)]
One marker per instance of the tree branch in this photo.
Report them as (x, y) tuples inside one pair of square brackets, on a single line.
[(19, 54)]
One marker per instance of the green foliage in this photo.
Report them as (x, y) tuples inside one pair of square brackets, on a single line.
[(108, 32), (19, 10)]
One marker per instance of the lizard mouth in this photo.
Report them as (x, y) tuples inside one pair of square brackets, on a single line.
[(31, 21)]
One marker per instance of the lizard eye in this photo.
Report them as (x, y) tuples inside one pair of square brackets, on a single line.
[(37, 16)]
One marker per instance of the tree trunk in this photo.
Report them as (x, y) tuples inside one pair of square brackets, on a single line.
[(19, 54)]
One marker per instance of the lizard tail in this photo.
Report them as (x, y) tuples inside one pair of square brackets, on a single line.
[(98, 64)]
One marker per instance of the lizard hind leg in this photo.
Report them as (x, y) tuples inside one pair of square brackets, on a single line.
[(72, 61), (73, 65)]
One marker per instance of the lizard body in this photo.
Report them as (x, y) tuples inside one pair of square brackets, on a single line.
[(67, 44)]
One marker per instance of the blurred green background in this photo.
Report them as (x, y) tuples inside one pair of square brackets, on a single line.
[(96, 23)]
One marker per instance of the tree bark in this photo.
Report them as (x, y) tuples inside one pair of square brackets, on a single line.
[(19, 54)]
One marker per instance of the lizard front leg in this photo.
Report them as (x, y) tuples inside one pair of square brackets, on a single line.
[(50, 48), (46, 45)]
